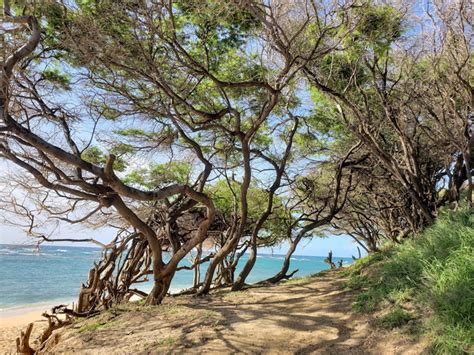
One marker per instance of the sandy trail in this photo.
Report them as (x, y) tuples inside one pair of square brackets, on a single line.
[(310, 316)]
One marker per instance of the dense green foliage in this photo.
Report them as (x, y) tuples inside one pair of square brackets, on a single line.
[(429, 279)]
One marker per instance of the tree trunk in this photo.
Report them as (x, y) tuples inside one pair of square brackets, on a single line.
[(160, 284), (240, 282), (159, 291), (218, 258), (197, 268), (359, 242), (238, 232), (23, 341), (263, 218)]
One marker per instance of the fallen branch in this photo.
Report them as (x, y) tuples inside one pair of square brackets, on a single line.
[(62, 309), (290, 275), (53, 323)]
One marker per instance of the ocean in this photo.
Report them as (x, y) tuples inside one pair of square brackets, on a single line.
[(30, 278)]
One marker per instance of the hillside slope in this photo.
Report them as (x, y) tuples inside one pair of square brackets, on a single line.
[(426, 284)]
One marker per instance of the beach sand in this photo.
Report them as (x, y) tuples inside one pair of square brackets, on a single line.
[(12, 322)]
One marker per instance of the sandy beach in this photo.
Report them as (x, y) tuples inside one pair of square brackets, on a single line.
[(13, 321)]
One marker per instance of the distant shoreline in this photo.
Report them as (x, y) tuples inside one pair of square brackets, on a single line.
[(20, 309), (98, 248)]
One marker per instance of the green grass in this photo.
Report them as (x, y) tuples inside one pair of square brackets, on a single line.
[(397, 317), (300, 279), (434, 274), (169, 341), (90, 327)]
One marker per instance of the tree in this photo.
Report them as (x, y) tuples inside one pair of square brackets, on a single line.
[(182, 72), (69, 172), (371, 80)]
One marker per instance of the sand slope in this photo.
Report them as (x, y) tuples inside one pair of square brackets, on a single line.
[(308, 316)]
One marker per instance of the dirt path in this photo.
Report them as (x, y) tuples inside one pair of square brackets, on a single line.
[(310, 316)]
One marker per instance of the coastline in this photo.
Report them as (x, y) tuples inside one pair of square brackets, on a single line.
[(24, 314), (21, 318)]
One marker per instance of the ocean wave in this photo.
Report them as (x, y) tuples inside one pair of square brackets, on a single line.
[(7, 251), (63, 250), (15, 251), (271, 257)]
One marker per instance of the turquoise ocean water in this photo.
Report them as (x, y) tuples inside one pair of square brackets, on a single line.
[(55, 273)]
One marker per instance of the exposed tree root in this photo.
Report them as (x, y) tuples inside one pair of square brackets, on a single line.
[(23, 341)]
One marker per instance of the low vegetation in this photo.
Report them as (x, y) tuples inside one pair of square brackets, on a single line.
[(427, 282)]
